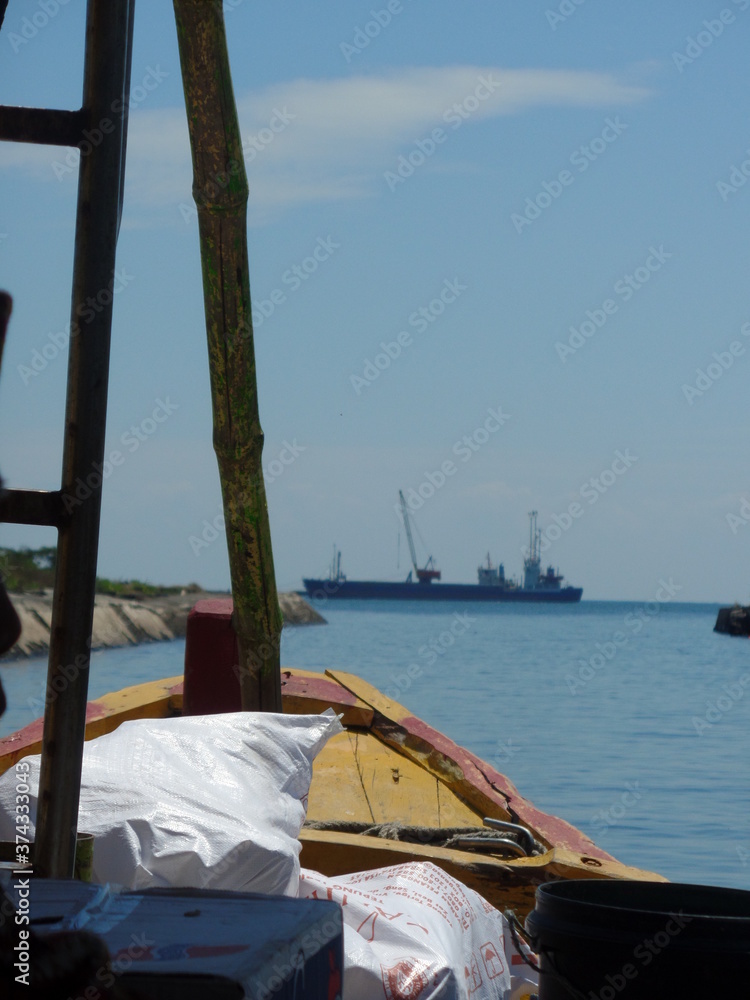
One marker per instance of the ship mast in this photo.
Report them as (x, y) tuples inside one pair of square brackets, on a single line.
[(532, 563), (533, 536), (429, 572)]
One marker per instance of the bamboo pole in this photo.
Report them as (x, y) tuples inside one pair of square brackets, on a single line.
[(220, 190)]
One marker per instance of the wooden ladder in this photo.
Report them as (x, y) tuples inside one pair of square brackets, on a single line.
[(103, 117)]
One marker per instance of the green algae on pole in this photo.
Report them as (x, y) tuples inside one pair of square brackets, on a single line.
[(220, 191)]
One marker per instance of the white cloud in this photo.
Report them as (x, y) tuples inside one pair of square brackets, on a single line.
[(324, 140), (377, 110)]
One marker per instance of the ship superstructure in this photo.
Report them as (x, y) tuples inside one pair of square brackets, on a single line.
[(492, 585)]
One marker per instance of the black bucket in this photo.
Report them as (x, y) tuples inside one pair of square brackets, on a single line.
[(616, 940)]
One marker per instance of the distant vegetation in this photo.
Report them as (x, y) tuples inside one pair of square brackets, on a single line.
[(27, 569), (24, 570)]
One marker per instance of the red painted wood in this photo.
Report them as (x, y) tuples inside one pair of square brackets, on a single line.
[(32, 734), (211, 654), (492, 783), (211, 657), (23, 738), (316, 688)]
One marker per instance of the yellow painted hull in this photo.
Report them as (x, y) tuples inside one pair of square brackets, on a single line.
[(387, 767)]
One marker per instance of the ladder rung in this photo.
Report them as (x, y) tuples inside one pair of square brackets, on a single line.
[(43, 507), (42, 125)]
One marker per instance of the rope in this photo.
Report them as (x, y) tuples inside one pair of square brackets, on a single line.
[(438, 836)]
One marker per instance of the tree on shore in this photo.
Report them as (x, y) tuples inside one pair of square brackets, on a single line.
[(25, 569)]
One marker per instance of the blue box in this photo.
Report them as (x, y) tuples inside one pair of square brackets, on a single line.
[(186, 944)]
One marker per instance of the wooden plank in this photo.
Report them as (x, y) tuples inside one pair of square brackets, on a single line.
[(486, 789), (333, 854), (396, 789), (357, 778), (305, 692), (453, 810), (502, 883), (336, 796)]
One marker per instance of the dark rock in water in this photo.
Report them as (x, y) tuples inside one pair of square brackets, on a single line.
[(733, 621), (128, 622)]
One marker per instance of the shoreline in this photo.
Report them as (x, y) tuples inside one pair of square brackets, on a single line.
[(129, 621)]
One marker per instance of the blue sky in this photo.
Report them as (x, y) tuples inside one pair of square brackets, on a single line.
[(532, 206)]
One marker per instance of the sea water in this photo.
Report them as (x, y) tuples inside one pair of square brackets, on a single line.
[(631, 721)]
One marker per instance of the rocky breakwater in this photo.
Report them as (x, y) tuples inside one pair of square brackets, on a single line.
[(127, 622)]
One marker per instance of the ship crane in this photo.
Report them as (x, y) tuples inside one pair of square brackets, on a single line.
[(429, 573)]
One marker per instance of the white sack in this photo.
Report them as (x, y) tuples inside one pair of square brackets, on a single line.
[(212, 801), (412, 931)]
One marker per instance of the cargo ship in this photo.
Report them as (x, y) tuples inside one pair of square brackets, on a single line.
[(423, 584)]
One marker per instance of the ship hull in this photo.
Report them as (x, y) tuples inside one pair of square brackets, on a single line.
[(359, 590)]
